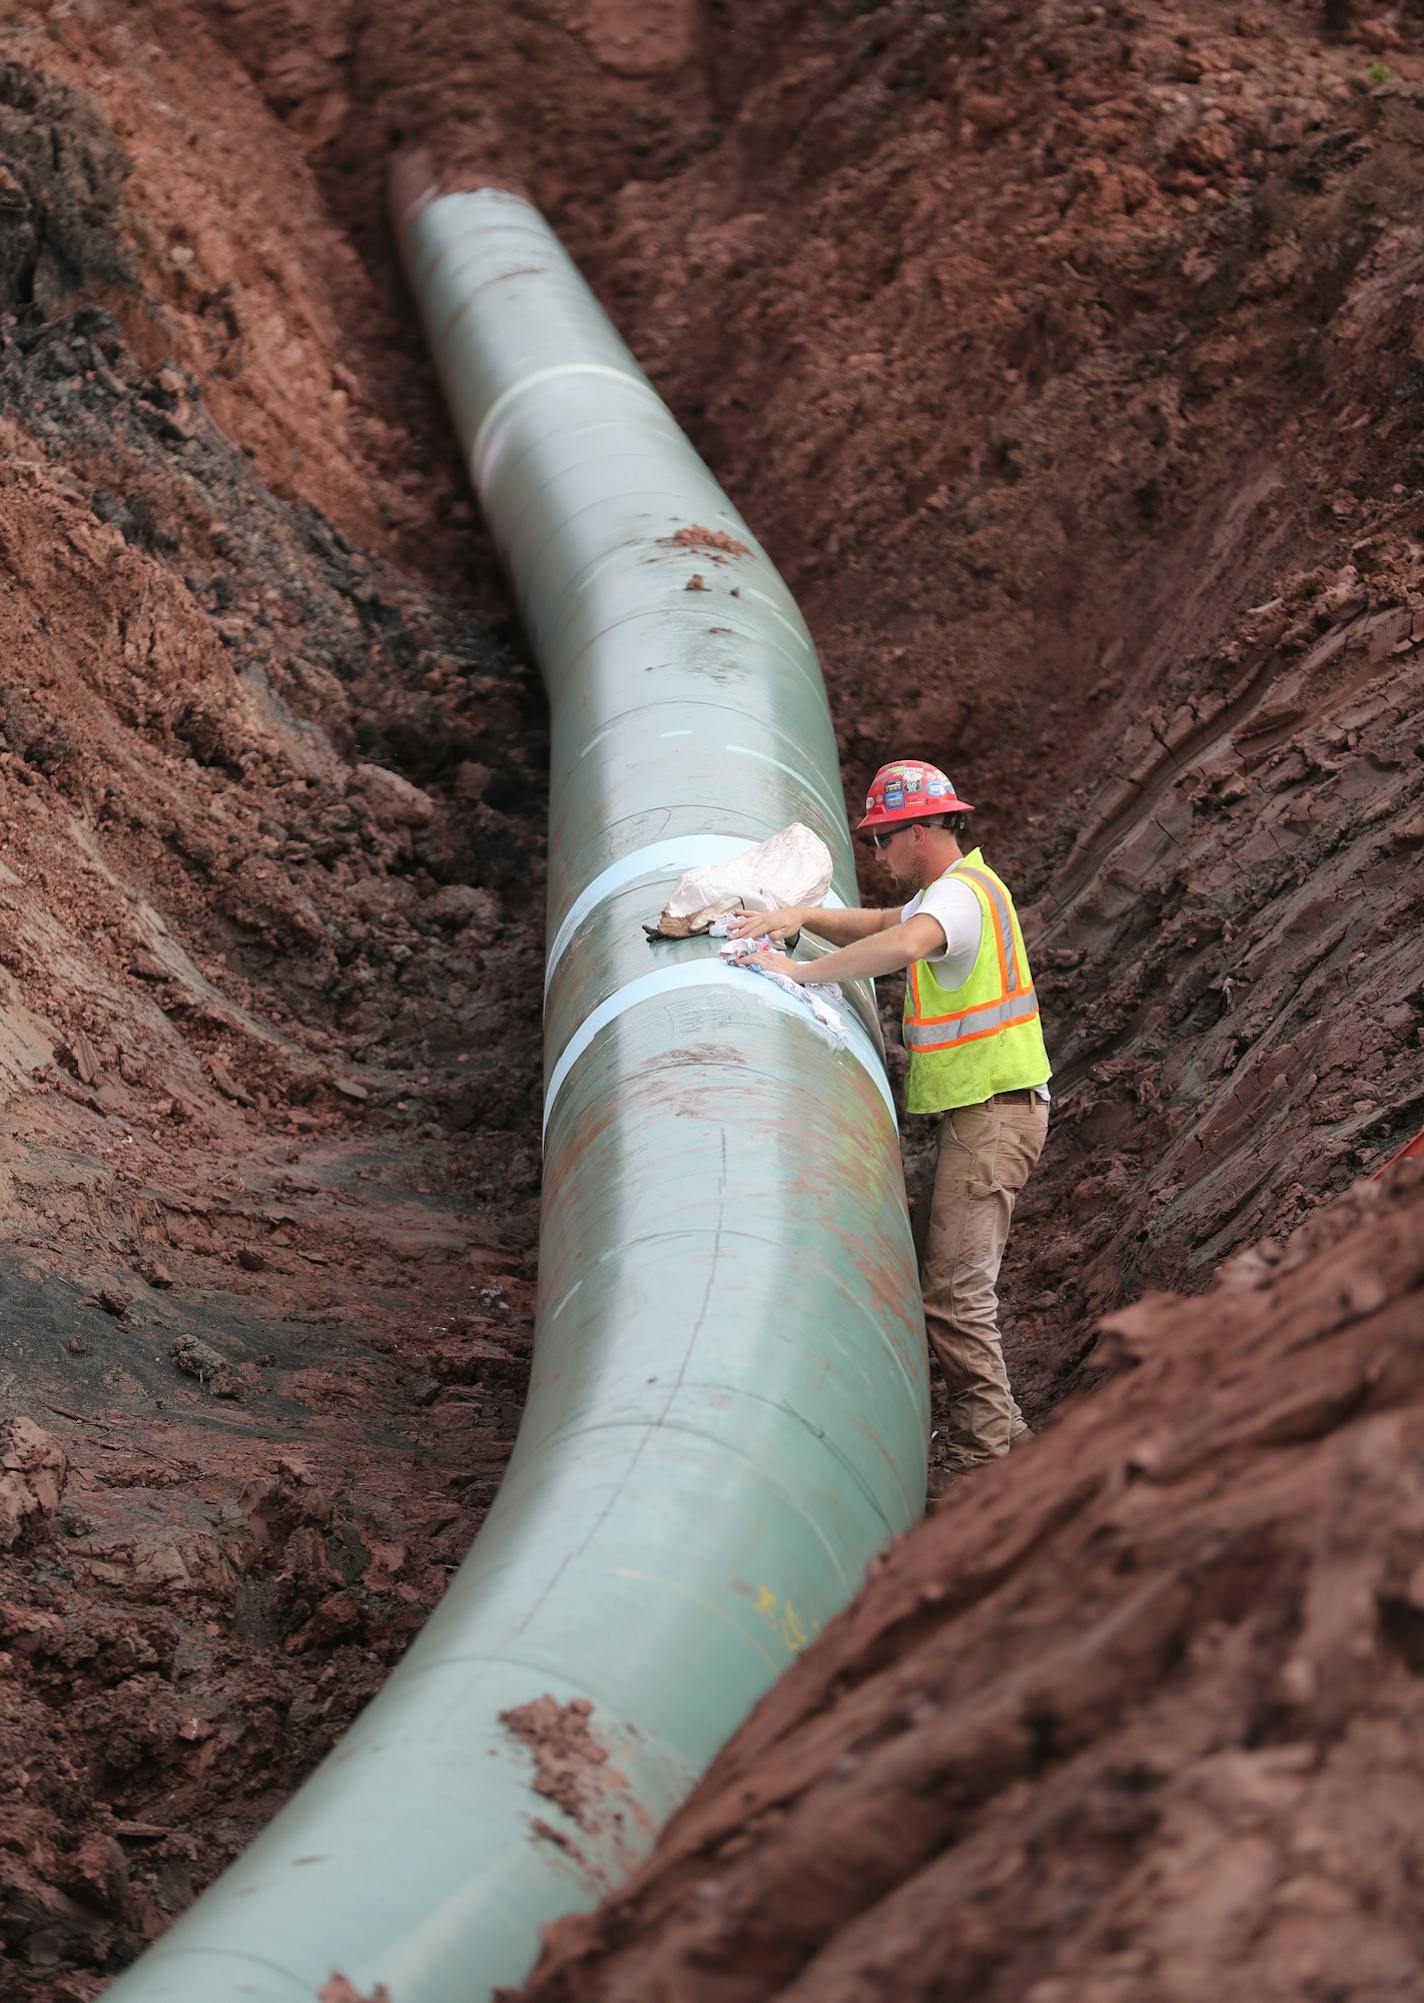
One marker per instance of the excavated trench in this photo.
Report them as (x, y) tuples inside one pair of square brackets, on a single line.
[(1067, 361)]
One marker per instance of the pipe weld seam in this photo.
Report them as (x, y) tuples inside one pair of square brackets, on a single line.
[(562, 1436), (672, 615), (710, 973), (517, 389)]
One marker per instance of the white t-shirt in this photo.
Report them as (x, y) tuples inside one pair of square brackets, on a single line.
[(961, 917)]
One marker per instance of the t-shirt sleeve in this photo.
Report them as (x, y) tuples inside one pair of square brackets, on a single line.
[(957, 909)]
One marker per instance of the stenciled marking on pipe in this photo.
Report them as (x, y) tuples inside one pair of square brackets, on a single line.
[(710, 973)]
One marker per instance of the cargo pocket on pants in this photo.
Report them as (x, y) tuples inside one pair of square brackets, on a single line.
[(969, 1147), (1019, 1145)]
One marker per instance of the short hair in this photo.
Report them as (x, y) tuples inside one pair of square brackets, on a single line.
[(956, 824)]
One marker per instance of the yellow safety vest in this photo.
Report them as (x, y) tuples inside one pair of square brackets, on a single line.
[(969, 1042)]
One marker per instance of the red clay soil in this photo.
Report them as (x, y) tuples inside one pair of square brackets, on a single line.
[(1135, 1716), (1068, 358), (271, 812)]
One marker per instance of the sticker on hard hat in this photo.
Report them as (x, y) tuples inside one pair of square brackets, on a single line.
[(903, 790)]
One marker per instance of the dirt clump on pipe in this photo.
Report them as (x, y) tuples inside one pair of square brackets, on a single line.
[(564, 1747), (715, 541)]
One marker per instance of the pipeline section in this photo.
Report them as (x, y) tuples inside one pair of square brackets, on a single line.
[(728, 1410)]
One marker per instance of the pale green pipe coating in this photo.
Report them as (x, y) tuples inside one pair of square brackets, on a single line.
[(728, 1408)]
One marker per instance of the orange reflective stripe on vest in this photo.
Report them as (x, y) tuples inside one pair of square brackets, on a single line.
[(963, 1028), (983, 1036), (1015, 1002)]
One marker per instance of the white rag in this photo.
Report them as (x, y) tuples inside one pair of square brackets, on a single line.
[(792, 867), (817, 1000)]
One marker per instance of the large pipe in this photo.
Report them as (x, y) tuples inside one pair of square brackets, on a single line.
[(728, 1408)]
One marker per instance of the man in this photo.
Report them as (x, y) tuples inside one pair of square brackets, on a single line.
[(977, 1063)]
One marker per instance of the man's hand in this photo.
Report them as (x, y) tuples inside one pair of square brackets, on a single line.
[(774, 963), (766, 924)]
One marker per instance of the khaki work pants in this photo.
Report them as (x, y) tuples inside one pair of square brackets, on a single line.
[(986, 1154)]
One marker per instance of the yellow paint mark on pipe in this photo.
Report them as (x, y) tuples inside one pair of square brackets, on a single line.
[(784, 1621), (652, 1579)]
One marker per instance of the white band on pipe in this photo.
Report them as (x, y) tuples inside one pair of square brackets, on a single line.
[(676, 854), (713, 972), (501, 402)]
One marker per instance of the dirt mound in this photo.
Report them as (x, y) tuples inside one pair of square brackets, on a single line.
[(270, 844), (1137, 1715)]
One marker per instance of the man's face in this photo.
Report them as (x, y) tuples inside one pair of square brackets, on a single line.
[(898, 849)]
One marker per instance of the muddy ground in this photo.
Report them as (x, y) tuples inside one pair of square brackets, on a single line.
[(1068, 359)]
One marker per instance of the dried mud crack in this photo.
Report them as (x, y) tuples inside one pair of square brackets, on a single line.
[(1067, 359)]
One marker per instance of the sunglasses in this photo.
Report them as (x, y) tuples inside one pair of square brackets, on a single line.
[(879, 841)]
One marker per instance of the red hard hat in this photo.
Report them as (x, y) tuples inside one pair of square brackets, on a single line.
[(907, 790)]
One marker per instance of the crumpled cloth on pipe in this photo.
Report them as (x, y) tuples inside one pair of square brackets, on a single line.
[(791, 867), (816, 1001)]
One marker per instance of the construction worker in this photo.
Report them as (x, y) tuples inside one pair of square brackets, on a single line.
[(977, 1064)]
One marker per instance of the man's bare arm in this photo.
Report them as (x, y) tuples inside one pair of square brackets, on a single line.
[(840, 928), (881, 952)]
